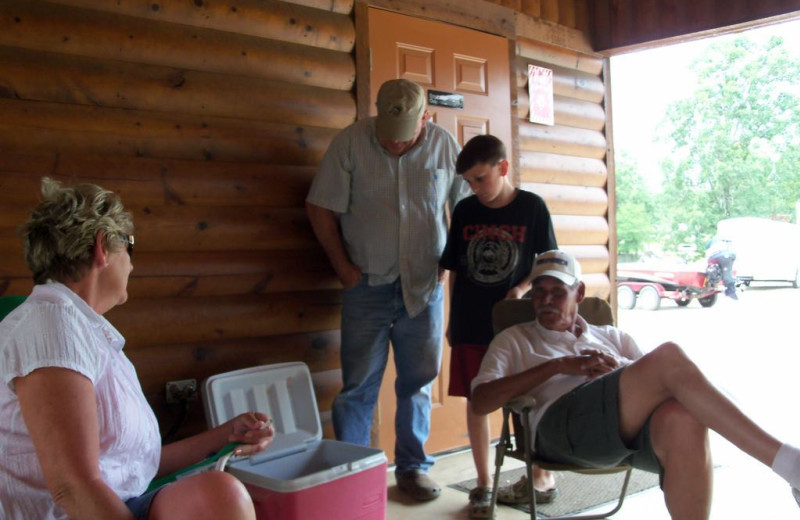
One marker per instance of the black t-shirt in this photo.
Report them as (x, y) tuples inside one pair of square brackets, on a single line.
[(491, 250)]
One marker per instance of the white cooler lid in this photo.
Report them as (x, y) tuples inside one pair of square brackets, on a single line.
[(283, 391)]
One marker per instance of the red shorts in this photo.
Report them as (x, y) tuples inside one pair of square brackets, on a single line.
[(465, 361)]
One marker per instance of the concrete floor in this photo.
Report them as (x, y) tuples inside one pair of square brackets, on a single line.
[(748, 348), (742, 489)]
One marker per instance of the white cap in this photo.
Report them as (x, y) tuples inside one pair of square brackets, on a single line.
[(558, 264)]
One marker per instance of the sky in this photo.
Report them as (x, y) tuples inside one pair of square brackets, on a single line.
[(644, 83)]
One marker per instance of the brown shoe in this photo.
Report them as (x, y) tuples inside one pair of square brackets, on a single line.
[(418, 485)]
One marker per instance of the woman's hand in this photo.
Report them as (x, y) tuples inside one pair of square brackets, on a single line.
[(254, 430)]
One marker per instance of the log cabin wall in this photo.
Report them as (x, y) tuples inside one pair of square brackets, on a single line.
[(566, 163), (209, 121)]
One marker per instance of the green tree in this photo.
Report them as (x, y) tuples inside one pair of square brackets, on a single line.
[(735, 140), (635, 208)]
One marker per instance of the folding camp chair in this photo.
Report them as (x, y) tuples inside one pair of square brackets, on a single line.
[(518, 446), (8, 304)]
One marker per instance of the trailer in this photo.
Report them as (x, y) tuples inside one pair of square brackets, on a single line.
[(766, 250), (647, 283)]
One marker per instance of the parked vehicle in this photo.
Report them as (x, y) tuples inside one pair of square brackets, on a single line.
[(648, 282), (766, 250)]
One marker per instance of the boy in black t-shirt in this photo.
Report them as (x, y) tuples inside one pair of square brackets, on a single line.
[(494, 236)]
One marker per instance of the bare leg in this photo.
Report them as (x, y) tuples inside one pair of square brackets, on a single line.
[(651, 384), (543, 480), (478, 429), (207, 496), (667, 373), (681, 444)]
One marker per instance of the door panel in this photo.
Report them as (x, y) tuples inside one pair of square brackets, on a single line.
[(453, 60)]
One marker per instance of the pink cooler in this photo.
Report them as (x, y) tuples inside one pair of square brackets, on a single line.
[(300, 476)]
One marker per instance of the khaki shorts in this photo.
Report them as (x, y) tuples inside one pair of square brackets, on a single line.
[(582, 428)]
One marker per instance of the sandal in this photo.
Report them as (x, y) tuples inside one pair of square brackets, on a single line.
[(517, 493), (480, 502)]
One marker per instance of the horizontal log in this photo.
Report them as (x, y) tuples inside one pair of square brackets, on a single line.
[(158, 364), (478, 16), (567, 82), (279, 271), (562, 140), (579, 230), (252, 185), (61, 129), (571, 200), (43, 141), (562, 169), (597, 285), (228, 285), (593, 259), (567, 111), (273, 19), (151, 182), (336, 6), (10, 286), (533, 27), (104, 169), (114, 84), (166, 228), (148, 125), (562, 57), (312, 262), (203, 273), (64, 29), (147, 322), (327, 385)]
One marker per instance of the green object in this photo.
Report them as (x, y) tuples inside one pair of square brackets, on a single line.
[(199, 467), (8, 304)]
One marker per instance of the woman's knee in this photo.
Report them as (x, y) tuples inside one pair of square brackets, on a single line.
[(209, 495)]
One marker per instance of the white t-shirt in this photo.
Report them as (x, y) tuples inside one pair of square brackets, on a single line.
[(527, 345), (54, 327)]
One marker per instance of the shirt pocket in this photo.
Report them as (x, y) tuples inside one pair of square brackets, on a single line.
[(438, 186)]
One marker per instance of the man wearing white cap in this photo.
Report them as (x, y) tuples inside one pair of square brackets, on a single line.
[(600, 402), (378, 207)]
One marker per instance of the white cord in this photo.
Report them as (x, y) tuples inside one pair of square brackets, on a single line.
[(222, 461)]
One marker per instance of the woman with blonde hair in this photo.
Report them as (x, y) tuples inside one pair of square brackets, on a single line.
[(77, 437)]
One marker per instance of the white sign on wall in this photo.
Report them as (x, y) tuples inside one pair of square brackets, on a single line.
[(540, 94)]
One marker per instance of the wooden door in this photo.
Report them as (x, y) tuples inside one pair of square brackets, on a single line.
[(452, 60)]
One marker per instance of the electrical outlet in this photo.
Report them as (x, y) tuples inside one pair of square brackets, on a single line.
[(183, 390)]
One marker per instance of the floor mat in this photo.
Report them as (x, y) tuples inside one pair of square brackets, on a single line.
[(577, 492)]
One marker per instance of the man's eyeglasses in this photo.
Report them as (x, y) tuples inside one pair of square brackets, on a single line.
[(128, 240)]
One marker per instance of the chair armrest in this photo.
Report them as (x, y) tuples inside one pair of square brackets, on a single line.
[(521, 403)]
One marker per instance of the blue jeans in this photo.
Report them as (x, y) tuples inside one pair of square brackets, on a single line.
[(371, 317)]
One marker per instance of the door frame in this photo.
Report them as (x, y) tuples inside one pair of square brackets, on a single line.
[(476, 15), (472, 18)]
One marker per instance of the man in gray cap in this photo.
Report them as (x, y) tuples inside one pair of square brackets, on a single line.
[(378, 207), (601, 402)]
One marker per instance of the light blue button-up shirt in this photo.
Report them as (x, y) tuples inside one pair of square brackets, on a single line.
[(392, 209)]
